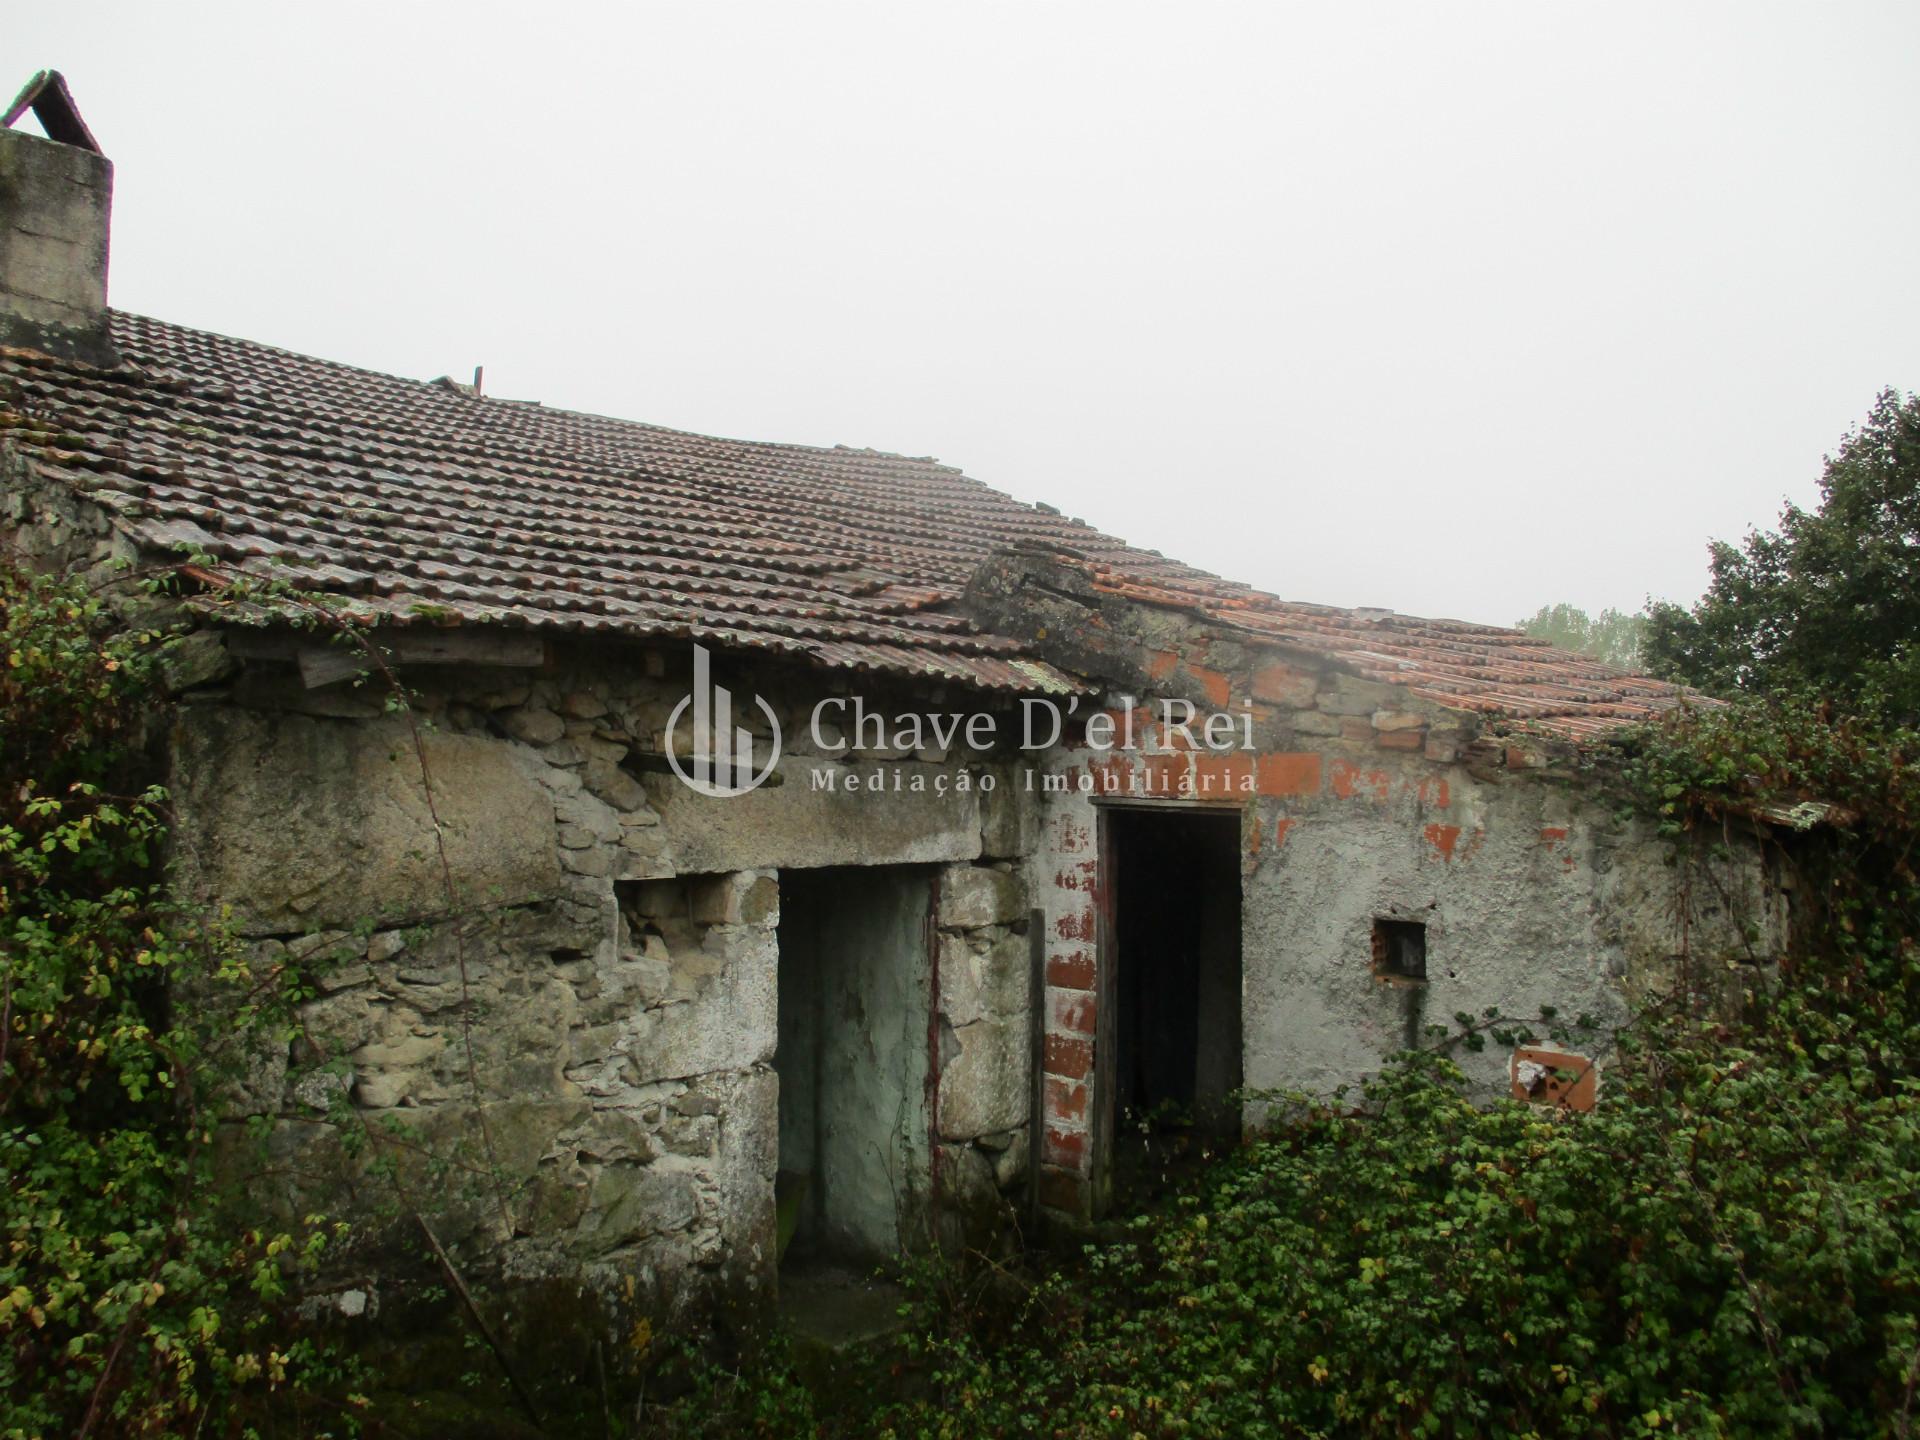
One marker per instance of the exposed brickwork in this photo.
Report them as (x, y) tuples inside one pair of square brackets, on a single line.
[(1069, 1056), (1213, 685), (1288, 774), (1071, 972), (1066, 1100), (1550, 1076), (1070, 1012), (1069, 1004), (1065, 1148), (1228, 774), (1063, 1190), (1281, 684), (1349, 781)]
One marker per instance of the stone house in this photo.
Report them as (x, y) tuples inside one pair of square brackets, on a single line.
[(790, 850)]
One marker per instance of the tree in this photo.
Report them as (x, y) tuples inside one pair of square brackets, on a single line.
[(1829, 602), (1613, 638)]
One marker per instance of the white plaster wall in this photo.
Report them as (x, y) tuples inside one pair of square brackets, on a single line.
[(1535, 893)]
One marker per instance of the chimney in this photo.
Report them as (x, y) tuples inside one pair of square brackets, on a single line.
[(55, 198)]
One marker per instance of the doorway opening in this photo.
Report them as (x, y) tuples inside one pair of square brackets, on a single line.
[(1170, 976), (852, 1055)]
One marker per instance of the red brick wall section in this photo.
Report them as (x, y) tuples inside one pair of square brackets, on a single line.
[(1070, 858)]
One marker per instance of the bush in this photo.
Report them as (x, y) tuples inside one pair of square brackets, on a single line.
[(1731, 1253), (131, 1298)]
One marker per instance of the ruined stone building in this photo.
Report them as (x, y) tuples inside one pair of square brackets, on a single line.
[(712, 997)]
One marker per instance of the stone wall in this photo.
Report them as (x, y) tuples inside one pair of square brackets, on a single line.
[(544, 972), (47, 528), (985, 1081), (504, 895)]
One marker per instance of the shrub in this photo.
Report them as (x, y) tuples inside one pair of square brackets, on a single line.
[(131, 1297), (1728, 1253)]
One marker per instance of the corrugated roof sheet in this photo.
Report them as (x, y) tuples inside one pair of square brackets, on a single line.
[(421, 500)]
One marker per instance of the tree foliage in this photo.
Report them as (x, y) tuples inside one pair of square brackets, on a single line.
[(1828, 602), (1613, 638), (131, 1298)]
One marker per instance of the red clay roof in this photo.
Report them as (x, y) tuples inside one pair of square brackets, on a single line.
[(420, 500)]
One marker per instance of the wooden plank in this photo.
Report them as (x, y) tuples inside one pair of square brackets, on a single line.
[(509, 648), (330, 664)]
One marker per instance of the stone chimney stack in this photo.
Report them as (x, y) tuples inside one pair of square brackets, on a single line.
[(56, 196)]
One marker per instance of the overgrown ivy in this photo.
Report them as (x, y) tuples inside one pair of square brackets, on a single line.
[(133, 1299), (1840, 798)]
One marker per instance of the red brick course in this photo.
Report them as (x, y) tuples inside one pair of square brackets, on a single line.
[(1288, 774), (1066, 1100), (1070, 1056), (1071, 972)]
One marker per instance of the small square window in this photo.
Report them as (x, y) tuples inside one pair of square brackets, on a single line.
[(1400, 949)]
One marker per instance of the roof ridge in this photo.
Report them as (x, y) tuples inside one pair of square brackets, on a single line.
[(433, 386)]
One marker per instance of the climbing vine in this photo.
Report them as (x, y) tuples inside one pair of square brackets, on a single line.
[(132, 1298), (1837, 800), (139, 1293)]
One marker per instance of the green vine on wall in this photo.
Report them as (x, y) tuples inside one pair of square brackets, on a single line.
[(138, 1292), (131, 1297)]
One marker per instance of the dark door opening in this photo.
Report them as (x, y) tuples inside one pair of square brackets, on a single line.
[(852, 1059), (1170, 977)]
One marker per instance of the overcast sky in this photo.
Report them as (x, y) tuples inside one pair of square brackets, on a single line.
[(1457, 309)]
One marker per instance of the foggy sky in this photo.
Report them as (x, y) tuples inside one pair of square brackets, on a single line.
[(1457, 309)]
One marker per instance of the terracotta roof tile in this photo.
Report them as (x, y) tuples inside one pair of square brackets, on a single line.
[(419, 498)]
